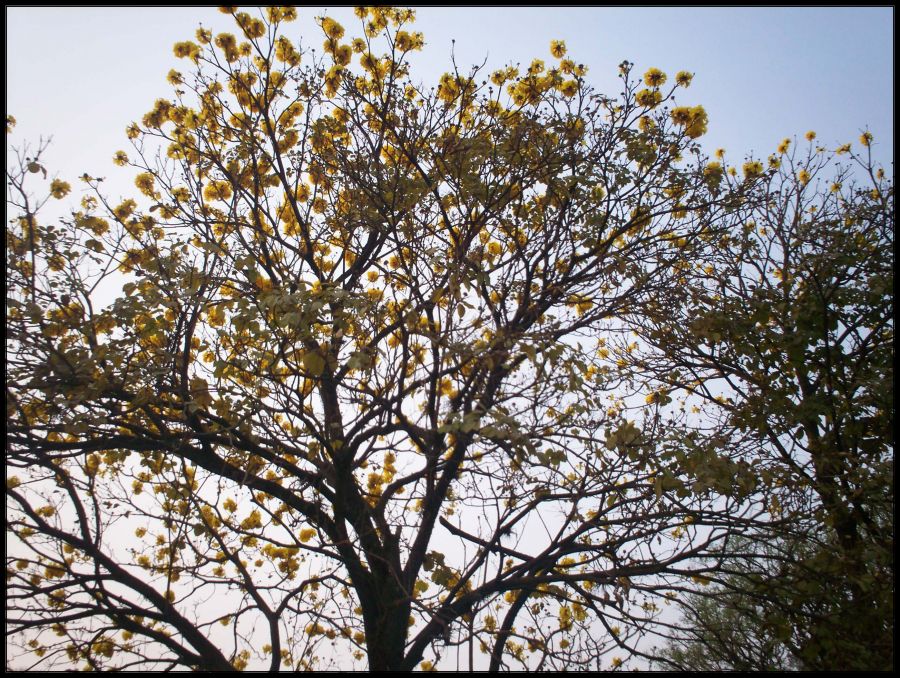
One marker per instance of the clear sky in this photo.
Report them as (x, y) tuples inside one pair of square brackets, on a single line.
[(81, 74)]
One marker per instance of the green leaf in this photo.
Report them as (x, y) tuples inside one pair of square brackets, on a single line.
[(291, 319), (314, 363), (432, 559), (529, 351), (470, 422)]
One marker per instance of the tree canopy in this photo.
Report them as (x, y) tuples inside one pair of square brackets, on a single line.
[(797, 320), (375, 374)]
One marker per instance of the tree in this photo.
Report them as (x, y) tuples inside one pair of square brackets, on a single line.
[(360, 388), (788, 335), (724, 629)]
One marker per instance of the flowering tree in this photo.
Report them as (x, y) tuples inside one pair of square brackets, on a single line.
[(361, 387)]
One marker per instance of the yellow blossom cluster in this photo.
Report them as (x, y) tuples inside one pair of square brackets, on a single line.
[(187, 49), (648, 98), (59, 189), (752, 169), (694, 120), (654, 78)]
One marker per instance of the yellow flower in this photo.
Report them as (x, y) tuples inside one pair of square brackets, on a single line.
[(407, 41), (333, 78), (254, 520), (654, 78), (681, 115), (810, 135), (342, 55), (284, 51), (125, 210), (866, 139), (97, 225), (558, 48), (226, 41), (684, 78), (803, 177), (580, 303), (217, 190), (694, 120), (144, 182), (10, 123), (699, 120), (536, 66), (752, 169), (57, 263), (448, 88), (784, 145), (187, 49), (253, 28), (59, 189), (159, 115), (648, 98), (720, 153), (640, 217), (568, 88), (845, 148), (120, 158), (332, 28), (228, 44)]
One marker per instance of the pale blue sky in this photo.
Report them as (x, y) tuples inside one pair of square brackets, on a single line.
[(82, 74)]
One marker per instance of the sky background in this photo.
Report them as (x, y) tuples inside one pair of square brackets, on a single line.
[(81, 74)]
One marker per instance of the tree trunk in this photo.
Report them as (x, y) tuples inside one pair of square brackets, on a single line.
[(386, 631)]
